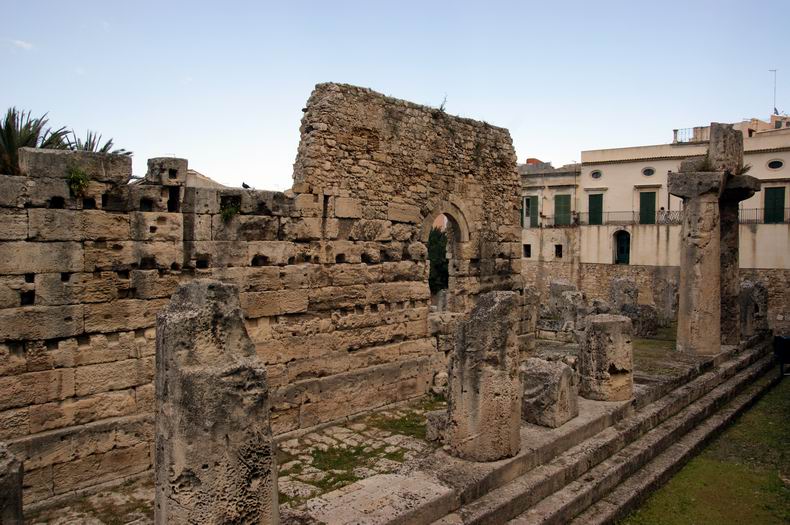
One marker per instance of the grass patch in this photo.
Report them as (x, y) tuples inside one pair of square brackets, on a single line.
[(432, 402), (410, 424), (397, 455), (336, 458), (653, 344), (741, 477)]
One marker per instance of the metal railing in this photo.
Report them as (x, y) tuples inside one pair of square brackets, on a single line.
[(661, 217)]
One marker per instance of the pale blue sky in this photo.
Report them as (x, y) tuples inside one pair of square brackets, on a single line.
[(223, 83)]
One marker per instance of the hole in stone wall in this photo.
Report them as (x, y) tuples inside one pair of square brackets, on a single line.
[(89, 203), (340, 258), (57, 203), (147, 263), (260, 260), (366, 258), (152, 229), (558, 251), (83, 340), (527, 251), (291, 260), (146, 205), (105, 199), (172, 174), (30, 277), (439, 273), (65, 277), (175, 267), (123, 274), (173, 197), (27, 297), (202, 263), (52, 344)]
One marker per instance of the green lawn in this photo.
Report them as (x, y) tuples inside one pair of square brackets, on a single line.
[(741, 478)]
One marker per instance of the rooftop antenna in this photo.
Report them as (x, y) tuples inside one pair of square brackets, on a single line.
[(776, 112)]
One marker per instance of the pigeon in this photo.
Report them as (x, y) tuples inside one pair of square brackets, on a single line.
[(245, 185)]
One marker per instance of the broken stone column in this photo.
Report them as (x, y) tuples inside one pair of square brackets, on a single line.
[(10, 488), (624, 292), (606, 359), (551, 394), (699, 309), (215, 458), (484, 403), (753, 308)]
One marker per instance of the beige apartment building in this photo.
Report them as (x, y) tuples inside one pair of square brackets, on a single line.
[(612, 214)]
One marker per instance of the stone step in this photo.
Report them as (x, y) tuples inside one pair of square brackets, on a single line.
[(513, 498), (632, 491), (574, 498)]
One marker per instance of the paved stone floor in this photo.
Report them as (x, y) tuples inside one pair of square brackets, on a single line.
[(310, 465)]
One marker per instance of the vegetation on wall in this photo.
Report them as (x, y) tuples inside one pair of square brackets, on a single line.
[(438, 277), (18, 129)]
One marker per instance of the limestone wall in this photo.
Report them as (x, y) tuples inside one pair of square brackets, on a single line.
[(333, 277)]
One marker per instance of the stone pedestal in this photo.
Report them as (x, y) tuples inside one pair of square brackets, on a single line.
[(484, 403), (215, 458), (606, 359), (551, 394), (10, 488)]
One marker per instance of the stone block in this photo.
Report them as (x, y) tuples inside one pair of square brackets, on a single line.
[(348, 208), (308, 205), (551, 393), (197, 227), (40, 322), (99, 468), (19, 257), (123, 314), (13, 191), (63, 288), (156, 226), (245, 228), (14, 423), (215, 453), (102, 226), (119, 375), (167, 171), (70, 412), (103, 167), (371, 230), (606, 359), (151, 284), (278, 302), (275, 253), (13, 224), (200, 200), (10, 488), (404, 213), (36, 387)]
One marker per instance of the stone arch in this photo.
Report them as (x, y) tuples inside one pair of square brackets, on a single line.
[(456, 217)]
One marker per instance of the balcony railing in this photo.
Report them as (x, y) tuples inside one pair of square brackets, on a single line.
[(745, 216)]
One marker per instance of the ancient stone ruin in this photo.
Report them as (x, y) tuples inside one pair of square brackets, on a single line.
[(282, 315), (606, 358), (215, 457), (484, 390)]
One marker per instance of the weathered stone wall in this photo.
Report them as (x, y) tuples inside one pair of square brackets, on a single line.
[(595, 281), (333, 277)]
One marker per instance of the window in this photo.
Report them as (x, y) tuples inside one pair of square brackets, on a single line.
[(774, 205), (595, 204), (562, 210), (527, 251), (647, 207), (529, 212), (775, 164), (558, 251), (648, 172), (596, 174)]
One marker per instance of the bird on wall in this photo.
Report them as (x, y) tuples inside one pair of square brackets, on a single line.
[(245, 185)]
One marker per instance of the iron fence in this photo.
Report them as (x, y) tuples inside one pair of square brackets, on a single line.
[(661, 217)]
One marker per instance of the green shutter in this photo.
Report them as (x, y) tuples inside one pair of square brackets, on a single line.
[(774, 205), (647, 207), (595, 204), (523, 203), (562, 210), (533, 211)]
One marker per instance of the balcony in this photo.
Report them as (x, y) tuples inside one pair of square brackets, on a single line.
[(661, 217)]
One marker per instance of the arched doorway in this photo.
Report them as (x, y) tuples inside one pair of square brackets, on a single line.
[(622, 247), (445, 231)]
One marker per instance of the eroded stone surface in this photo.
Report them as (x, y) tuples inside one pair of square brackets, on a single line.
[(215, 460), (551, 392), (606, 359), (10, 488), (753, 302), (484, 389)]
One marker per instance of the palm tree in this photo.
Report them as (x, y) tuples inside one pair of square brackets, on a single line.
[(93, 143), (19, 130)]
